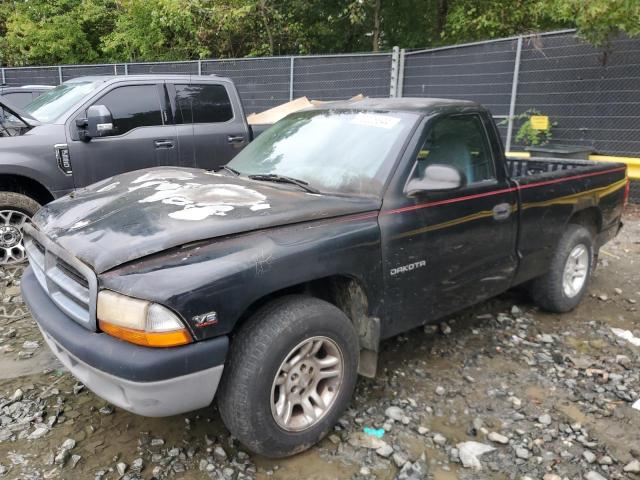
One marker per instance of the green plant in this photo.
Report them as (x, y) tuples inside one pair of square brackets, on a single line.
[(527, 135)]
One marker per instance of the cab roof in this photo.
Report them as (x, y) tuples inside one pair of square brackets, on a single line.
[(147, 76)]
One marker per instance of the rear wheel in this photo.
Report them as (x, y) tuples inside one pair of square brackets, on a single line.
[(290, 374), (16, 210), (562, 288)]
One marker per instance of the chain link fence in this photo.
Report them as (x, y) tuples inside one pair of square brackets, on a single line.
[(591, 95)]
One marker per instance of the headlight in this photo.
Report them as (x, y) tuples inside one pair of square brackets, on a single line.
[(139, 321)]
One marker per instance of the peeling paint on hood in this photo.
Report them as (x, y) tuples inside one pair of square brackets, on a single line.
[(140, 213)]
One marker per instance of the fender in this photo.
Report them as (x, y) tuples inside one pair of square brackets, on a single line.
[(226, 276)]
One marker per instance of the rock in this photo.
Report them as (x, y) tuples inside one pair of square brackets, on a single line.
[(38, 432), (17, 395), (121, 467), (469, 453), (589, 456), (605, 460), (157, 442), (624, 361), (440, 390), (515, 401), (68, 444), (394, 413), (219, 454), (30, 345), (74, 460), (551, 476), (365, 471), (61, 457), (439, 439), (522, 453), (399, 459), (545, 419), (385, 450), (414, 471), (546, 338), (593, 475), (445, 329), (618, 291), (497, 438), (106, 410), (632, 467)]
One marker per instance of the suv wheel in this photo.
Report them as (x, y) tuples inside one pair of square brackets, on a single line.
[(15, 210), (561, 289), (290, 375)]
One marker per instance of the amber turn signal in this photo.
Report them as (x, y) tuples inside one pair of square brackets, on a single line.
[(148, 339)]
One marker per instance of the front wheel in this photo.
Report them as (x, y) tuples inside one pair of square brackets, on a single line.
[(562, 288), (290, 374), (16, 209)]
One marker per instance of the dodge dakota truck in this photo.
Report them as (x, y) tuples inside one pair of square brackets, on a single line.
[(273, 280), (90, 128)]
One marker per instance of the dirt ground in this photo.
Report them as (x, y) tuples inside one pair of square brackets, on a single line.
[(552, 395)]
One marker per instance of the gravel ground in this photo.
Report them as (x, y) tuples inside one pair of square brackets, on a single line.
[(500, 391)]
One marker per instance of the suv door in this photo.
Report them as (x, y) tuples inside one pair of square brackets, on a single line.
[(210, 130), (444, 250), (143, 135)]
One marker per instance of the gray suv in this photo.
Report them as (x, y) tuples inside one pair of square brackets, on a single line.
[(91, 128)]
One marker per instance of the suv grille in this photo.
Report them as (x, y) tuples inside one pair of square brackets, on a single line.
[(71, 284)]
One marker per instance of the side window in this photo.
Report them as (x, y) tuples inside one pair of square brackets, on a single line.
[(459, 141), (202, 104), (132, 107)]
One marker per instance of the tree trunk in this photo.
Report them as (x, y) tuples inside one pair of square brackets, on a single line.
[(265, 20), (441, 18), (376, 26)]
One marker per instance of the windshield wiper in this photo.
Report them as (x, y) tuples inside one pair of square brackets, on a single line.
[(273, 177), (228, 169)]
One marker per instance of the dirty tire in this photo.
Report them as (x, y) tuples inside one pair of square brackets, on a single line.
[(256, 354), (19, 203), (547, 291)]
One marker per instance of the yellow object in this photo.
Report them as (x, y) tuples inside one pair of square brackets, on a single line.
[(633, 163), (147, 339), (539, 122)]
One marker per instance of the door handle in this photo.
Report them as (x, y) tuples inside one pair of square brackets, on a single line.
[(502, 211), (235, 139), (163, 143)]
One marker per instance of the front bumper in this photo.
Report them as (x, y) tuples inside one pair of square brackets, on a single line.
[(146, 381)]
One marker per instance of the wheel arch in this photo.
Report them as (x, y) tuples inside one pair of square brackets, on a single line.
[(26, 186), (590, 218)]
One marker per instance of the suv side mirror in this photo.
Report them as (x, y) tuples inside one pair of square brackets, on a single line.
[(99, 123), (437, 178)]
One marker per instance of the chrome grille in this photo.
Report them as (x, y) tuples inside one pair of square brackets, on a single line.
[(71, 284)]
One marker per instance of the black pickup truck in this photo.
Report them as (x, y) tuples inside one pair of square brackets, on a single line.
[(274, 280), (91, 128)]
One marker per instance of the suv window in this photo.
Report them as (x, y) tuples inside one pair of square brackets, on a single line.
[(132, 107), (202, 104), (459, 141)]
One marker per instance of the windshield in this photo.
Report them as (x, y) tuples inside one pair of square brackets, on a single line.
[(338, 151), (51, 105)]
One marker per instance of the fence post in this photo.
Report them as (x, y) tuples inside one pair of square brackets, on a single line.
[(115, 69), (199, 67), (291, 79), (60, 73), (126, 69), (400, 88), (4, 80), (514, 93), (395, 61)]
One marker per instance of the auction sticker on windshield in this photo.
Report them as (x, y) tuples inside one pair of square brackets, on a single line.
[(374, 120)]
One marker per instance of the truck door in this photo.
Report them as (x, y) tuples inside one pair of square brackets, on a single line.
[(211, 128), (444, 250), (142, 137)]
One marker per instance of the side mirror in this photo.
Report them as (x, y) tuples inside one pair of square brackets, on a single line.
[(437, 178), (99, 123)]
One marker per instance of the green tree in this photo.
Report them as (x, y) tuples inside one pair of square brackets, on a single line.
[(56, 31)]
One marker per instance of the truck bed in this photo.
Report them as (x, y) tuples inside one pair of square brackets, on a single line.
[(527, 167)]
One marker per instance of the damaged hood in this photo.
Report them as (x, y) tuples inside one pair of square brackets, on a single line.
[(140, 213)]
